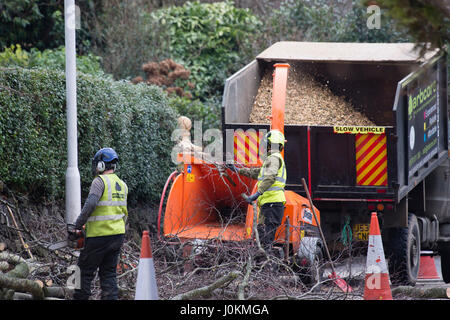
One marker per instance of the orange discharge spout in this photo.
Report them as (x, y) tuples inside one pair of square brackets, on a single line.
[(279, 96)]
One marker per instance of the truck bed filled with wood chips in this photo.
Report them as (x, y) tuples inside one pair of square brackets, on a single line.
[(308, 102)]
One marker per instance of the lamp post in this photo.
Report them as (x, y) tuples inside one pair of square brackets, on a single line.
[(73, 187)]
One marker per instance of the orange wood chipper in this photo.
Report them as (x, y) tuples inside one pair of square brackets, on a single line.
[(202, 205)]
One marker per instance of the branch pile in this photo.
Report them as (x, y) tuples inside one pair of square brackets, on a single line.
[(14, 282), (308, 102)]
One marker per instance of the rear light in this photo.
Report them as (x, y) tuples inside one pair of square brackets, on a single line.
[(371, 207), (389, 207), (381, 190)]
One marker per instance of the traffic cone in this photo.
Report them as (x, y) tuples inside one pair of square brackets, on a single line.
[(146, 288), (376, 285), (427, 268)]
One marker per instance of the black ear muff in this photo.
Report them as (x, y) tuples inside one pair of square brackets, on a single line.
[(101, 166)]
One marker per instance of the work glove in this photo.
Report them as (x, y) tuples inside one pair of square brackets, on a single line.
[(253, 197), (73, 233)]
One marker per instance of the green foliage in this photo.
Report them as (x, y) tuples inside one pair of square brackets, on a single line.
[(209, 39), (356, 29), (14, 56), (135, 120), (49, 58), (31, 23), (323, 20), (119, 32)]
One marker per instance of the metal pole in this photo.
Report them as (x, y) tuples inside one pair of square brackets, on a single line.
[(73, 188)]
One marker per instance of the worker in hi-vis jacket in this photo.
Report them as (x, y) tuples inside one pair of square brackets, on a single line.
[(104, 215), (270, 187)]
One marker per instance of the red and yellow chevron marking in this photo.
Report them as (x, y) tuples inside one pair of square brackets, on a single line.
[(246, 145), (371, 160)]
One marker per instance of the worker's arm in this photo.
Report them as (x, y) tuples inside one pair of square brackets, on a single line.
[(95, 193), (271, 167)]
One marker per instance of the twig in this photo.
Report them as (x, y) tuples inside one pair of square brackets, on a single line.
[(207, 290), (244, 282), (27, 248), (255, 227)]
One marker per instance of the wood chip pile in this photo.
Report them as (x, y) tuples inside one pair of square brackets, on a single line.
[(308, 102)]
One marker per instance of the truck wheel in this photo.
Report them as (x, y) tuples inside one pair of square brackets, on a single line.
[(405, 253), (444, 252)]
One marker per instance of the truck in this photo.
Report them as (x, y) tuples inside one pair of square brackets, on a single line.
[(399, 168)]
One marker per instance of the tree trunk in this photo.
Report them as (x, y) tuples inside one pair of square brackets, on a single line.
[(15, 280), (423, 293), (22, 285)]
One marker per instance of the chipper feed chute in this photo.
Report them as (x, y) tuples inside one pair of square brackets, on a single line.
[(202, 204)]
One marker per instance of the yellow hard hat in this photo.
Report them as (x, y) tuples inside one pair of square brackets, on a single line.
[(275, 136)]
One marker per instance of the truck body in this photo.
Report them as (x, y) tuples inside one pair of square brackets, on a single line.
[(399, 168)]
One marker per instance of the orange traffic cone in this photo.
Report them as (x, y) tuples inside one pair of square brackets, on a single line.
[(146, 281), (427, 268), (377, 276)]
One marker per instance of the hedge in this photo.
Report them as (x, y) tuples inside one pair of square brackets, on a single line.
[(135, 120)]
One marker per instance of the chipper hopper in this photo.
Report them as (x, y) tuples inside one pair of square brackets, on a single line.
[(205, 203)]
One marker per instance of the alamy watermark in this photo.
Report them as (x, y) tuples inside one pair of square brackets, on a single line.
[(74, 279), (208, 146)]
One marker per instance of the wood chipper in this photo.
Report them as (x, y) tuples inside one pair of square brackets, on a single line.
[(368, 127), (205, 203)]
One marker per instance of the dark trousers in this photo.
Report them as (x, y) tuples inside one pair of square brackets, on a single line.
[(100, 253), (273, 214)]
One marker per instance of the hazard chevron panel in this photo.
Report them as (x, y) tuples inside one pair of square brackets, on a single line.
[(246, 147), (371, 160)]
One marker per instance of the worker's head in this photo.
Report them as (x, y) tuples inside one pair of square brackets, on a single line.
[(105, 159), (275, 141)]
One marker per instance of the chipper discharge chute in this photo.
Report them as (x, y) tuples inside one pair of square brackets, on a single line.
[(205, 203)]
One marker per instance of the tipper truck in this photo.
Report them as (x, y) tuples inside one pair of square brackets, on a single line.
[(399, 168)]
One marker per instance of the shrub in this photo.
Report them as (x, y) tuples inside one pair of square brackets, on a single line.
[(135, 120), (209, 39), (325, 20), (49, 58), (174, 79)]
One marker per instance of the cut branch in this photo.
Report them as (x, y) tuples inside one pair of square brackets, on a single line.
[(425, 293), (22, 285), (244, 282)]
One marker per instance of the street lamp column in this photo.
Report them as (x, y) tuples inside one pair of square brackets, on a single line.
[(73, 187)]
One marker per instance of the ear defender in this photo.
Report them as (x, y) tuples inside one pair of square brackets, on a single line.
[(101, 166)]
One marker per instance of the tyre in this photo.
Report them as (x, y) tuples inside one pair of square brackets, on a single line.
[(310, 262), (404, 251), (311, 275), (444, 252)]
